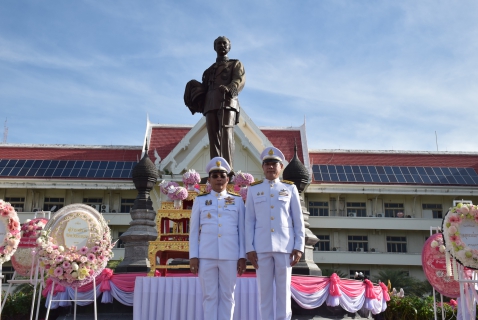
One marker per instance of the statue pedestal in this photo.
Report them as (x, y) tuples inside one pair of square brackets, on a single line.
[(306, 265), (142, 230)]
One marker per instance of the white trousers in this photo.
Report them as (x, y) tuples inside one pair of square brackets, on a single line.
[(218, 281), (274, 267)]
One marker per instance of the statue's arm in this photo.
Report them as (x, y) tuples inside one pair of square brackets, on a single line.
[(238, 79)]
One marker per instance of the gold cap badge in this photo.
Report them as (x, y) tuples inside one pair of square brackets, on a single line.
[(271, 152), (218, 163)]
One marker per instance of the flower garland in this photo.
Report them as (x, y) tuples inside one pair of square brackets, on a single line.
[(74, 267), (9, 217), (459, 217)]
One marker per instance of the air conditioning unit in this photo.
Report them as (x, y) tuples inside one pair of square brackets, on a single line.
[(105, 208), (359, 249), (36, 209), (352, 214), (335, 249), (113, 211), (379, 215), (96, 206), (18, 209), (372, 250)]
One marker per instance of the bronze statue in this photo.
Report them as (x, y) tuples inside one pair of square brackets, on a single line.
[(216, 98)]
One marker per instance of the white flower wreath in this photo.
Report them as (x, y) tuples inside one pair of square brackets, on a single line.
[(9, 218), (460, 231)]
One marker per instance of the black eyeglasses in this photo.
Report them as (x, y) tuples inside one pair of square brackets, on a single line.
[(218, 175)]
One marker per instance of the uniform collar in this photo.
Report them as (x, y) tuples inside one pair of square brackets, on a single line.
[(273, 181), (219, 194)]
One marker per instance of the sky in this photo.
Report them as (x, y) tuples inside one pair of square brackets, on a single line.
[(363, 75)]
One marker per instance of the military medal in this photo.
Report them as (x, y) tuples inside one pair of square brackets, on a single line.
[(283, 192), (209, 215), (230, 201), (208, 202)]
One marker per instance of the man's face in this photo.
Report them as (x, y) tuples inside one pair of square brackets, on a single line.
[(222, 46), (272, 169), (218, 180)]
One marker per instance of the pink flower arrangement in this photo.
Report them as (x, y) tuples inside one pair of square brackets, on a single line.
[(243, 193), (165, 185), (9, 217), (74, 267), (177, 193), (208, 187), (243, 179), (191, 177)]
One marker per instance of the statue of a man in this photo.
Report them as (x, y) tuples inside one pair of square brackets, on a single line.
[(216, 98)]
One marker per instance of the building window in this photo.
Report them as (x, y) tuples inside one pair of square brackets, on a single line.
[(356, 209), (391, 209), (53, 204), (323, 244), (94, 202), (337, 210), (127, 205), (358, 243), (436, 209), (120, 243), (396, 244), (17, 203), (366, 273), (319, 209)]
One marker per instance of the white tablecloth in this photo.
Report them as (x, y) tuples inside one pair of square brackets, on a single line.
[(180, 298)]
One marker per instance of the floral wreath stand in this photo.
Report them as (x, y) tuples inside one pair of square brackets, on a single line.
[(460, 230), (36, 278), (75, 248), (10, 236)]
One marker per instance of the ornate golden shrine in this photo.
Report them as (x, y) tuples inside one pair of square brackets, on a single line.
[(172, 243)]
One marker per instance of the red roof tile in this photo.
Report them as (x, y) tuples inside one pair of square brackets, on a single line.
[(164, 139), (284, 140), (69, 153)]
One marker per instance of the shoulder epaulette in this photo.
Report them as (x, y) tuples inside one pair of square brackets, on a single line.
[(203, 194), (234, 194), (256, 182), (287, 181)]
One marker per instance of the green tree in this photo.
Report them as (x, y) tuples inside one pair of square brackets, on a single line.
[(399, 279)]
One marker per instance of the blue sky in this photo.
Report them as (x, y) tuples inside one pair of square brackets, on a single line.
[(372, 75)]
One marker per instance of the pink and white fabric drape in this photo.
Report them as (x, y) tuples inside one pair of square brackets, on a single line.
[(117, 286), (308, 292), (351, 295)]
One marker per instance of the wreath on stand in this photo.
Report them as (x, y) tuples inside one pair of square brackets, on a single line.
[(11, 225)]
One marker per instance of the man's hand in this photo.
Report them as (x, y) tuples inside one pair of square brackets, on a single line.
[(252, 257), (296, 255), (223, 88), (194, 265), (241, 266)]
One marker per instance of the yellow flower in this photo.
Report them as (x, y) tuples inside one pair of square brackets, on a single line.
[(51, 271), (83, 271)]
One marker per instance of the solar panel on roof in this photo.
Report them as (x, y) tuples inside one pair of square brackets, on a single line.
[(390, 174), (66, 169)]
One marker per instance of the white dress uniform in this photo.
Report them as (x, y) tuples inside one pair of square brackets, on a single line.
[(274, 227), (216, 237)]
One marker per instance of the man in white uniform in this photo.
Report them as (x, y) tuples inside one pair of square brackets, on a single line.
[(275, 235), (216, 242)]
